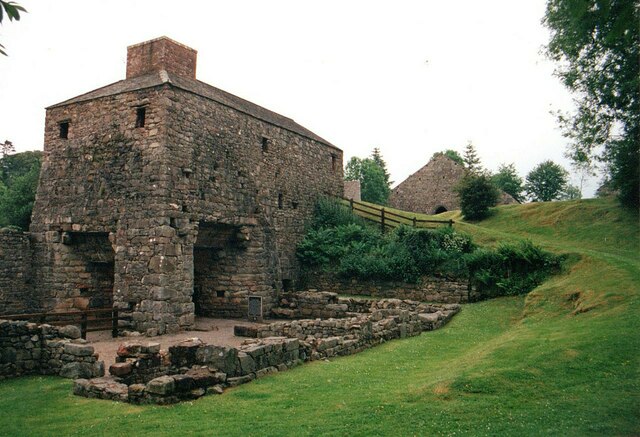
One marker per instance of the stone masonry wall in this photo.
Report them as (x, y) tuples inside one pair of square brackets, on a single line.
[(31, 349), (428, 289), (429, 188), (15, 273), (244, 172)]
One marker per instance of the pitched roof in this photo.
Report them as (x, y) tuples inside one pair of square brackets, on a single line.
[(202, 89)]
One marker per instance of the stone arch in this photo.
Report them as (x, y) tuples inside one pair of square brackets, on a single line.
[(440, 209)]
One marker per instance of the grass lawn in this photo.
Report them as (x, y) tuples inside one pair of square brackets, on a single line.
[(564, 360)]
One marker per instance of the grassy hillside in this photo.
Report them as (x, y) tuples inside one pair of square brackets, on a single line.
[(564, 360)]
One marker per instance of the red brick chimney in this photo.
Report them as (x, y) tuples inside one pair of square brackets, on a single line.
[(161, 54)]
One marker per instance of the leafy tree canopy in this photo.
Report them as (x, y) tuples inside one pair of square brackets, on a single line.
[(596, 45), (507, 180), (373, 177), (451, 154), (11, 10), (18, 184), (546, 182)]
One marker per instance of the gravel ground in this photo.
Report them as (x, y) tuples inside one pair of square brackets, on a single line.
[(212, 331)]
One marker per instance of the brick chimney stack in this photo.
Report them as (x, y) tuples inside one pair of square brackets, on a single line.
[(161, 54)]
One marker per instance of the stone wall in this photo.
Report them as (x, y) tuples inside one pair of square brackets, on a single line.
[(15, 273), (430, 189), (31, 349), (301, 305), (192, 368), (352, 190), (428, 289)]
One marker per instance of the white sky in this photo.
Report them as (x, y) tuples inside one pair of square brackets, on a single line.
[(409, 77)]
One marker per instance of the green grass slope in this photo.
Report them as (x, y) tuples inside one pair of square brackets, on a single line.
[(564, 360)]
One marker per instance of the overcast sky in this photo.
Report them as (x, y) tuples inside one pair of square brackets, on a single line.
[(409, 77)]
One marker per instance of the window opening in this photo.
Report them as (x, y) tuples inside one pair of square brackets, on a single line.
[(64, 130), (141, 112), (279, 200), (265, 144)]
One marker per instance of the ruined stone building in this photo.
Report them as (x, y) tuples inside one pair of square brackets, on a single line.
[(166, 197), (430, 190)]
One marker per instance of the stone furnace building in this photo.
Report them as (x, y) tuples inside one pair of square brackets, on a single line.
[(430, 190), (168, 198)]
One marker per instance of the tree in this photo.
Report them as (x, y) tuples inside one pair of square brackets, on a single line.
[(18, 184), (12, 11), (374, 180), (546, 182), (571, 192), (507, 180), (471, 159), (451, 154), (595, 43), (377, 158), (477, 194)]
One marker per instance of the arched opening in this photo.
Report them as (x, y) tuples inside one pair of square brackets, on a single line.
[(440, 209)]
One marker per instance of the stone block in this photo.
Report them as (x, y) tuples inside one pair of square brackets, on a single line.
[(79, 350), (163, 386), (70, 331), (120, 369)]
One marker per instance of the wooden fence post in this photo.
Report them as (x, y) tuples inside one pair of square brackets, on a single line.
[(114, 323), (351, 204), (83, 325), (415, 220), (382, 219), (450, 223)]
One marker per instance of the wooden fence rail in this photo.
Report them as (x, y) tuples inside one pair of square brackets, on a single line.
[(389, 219), (89, 320)]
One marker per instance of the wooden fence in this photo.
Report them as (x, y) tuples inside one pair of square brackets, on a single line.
[(389, 219), (101, 319)]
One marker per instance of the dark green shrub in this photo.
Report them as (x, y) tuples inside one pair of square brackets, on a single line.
[(338, 243), (511, 268), (330, 213), (477, 194)]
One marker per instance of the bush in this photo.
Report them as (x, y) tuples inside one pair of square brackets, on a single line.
[(346, 246), (477, 194), (510, 269)]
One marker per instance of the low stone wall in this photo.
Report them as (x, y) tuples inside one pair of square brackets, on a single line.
[(191, 369), (15, 273), (428, 289), (309, 304), (32, 349)]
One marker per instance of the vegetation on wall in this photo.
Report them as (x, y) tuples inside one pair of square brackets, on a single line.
[(342, 243)]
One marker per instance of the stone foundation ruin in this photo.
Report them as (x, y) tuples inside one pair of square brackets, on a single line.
[(145, 374)]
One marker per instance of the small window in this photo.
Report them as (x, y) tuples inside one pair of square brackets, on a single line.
[(219, 293), (265, 144), (279, 200), (294, 205), (334, 160), (141, 113), (64, 130)]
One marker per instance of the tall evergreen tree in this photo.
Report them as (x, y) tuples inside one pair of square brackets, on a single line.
[(471, 159)]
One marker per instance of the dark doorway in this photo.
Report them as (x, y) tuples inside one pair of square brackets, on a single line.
[(214, 254), (440, 210), (93, 260)]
